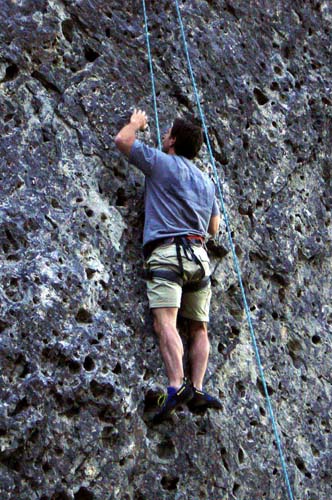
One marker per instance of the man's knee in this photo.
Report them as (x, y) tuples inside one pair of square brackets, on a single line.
[(198, 328), (158, 324), (164, 320)]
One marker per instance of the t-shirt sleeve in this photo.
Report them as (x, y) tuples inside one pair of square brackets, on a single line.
[(143, 157)]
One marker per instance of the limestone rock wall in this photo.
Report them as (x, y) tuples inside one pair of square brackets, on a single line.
[(80, 366)]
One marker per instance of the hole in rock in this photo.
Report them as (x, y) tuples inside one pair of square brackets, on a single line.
[(83, 316), (274, 86), (282, 295), (90, 54), (117, 369), (89, 212), (45, 82), (21, 406), (241, 388), (12, 462), (73, 411), (301, 466), (238, 251), (166, 449), (220, 348), (261, 388), (89, 364), (315, 452), (236, 488), (287, 52), (99, 389), (11, 72), (316, 339), (83, 494), (55, 203), (169, 483), (90, 272), (230, 9), (260, 97), (139, 496), (121, 200), (46, 467), (74, 366), (67, 27), (240, 456), (3, 325), (151, 400), (262, 411), (8, 117), (235, 331)]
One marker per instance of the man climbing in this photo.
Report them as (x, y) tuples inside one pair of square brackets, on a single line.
[(180, 208)]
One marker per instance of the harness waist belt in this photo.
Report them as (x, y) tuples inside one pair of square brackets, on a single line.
[(168, 274), (149, 247)]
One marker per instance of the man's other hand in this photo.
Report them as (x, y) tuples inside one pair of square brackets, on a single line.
[(214, 225)]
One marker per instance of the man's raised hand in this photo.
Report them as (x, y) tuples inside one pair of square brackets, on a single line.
[(139, 118)]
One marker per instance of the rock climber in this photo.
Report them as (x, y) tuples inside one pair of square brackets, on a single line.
[(180, 209)]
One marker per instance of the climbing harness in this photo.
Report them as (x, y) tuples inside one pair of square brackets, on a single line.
[(183, 242), (235, 259)]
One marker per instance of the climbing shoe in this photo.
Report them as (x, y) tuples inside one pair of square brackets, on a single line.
[(202, 401), (172, 400)]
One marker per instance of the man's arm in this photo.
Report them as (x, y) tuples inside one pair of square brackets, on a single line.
[(214, 224), (127, 135)]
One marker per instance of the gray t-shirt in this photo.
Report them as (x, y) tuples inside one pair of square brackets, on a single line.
[(179, 198)]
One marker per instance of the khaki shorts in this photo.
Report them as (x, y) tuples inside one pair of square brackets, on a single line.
[(164, 293)]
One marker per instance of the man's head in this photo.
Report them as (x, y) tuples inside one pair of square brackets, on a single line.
[(184, 137)]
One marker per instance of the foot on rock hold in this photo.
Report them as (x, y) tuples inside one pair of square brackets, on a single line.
[(172, 400), (202, 401)]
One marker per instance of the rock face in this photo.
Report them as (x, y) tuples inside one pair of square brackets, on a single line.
[(80, 366)]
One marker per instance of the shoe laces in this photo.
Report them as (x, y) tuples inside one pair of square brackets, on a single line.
[(161, 399)]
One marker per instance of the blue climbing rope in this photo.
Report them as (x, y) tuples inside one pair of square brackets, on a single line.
[(235, 260), (236, 263), (147, 34)]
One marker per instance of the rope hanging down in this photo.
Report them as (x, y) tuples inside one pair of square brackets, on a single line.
[(147, 34), (235, 259)]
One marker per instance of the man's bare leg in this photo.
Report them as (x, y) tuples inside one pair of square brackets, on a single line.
[(198, 352), (170, 343)]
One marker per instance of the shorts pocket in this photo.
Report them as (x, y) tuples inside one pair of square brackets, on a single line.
[(162, 253)]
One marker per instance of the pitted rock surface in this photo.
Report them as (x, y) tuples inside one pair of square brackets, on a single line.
[(80, 365)]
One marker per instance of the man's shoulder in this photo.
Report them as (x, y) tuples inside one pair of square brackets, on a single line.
[(147, 158)]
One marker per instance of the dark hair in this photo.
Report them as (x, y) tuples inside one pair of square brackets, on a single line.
[(189, 138)]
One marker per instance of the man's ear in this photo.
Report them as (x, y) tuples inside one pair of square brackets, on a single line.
[(172, 141)]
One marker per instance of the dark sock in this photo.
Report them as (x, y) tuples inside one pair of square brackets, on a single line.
[(171, 391)]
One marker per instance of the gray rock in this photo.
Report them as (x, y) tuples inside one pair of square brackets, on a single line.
[(80, 366)]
